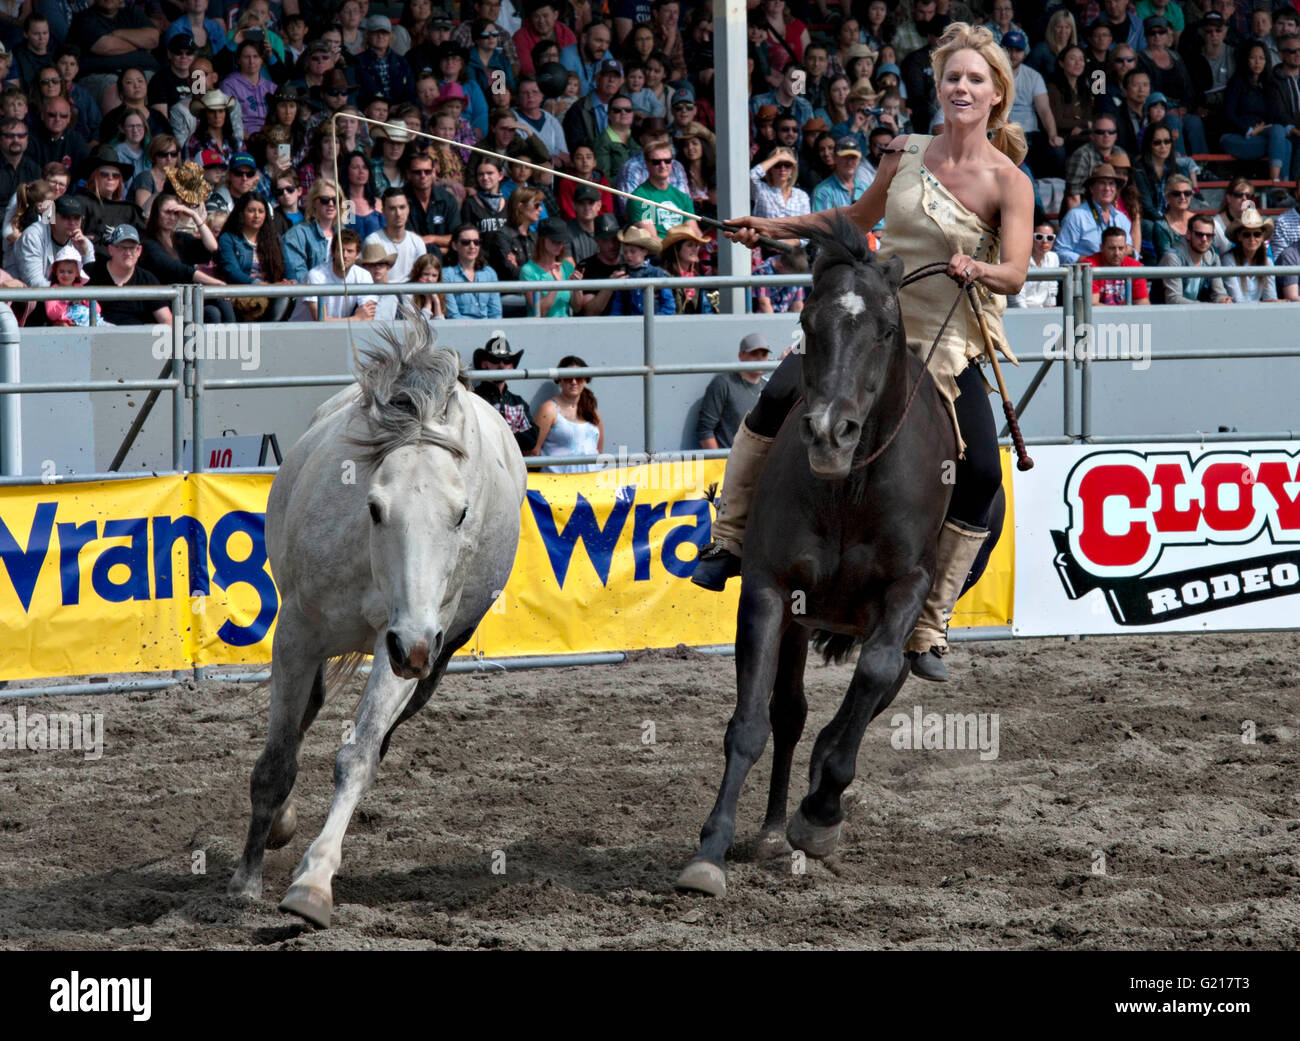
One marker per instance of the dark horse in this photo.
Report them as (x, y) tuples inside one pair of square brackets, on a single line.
[(835, 551)]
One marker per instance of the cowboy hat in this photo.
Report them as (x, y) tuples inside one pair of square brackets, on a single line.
[(1102, 172), (1250, 219), (681, 233), (105, 155), (374, 253), (214, 99), (634, 236), (287, 92), (188, 183), (389, 132), (860, 50), (497, 349)]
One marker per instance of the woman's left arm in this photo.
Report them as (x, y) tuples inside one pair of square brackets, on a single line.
[(1017, 234)]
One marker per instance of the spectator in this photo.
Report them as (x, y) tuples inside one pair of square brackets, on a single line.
[(164, 154), (638, 42), (487, 208), (512, 246), (471, 266), (334, 96), (16, 166), (1114, 253), (657, 188), (639, 244), (33, 54), (1081, 228), (40, 241), (242, 177), (540, 24), (65, 271), (1249, 236), (322, 155), (1124, 28), (772, 185), (1256, 134), (496, 354), (1032, 110), (536, 120), (1068, 94), (1128, 201), (130, 143), (307, 245), (172, 84), (433, 210), (428, 270), (176, 257), (781, 299), (1288, 286), (112, 36), (288, 109), (1169, 76), (787, 97), (212, 132), (288, 197), (1288, 228), (121, 268), (1239, 197), (1061, 34), (570, 424), (1002, 21), (105, 176), (1199, 252), (588, 119), (1041, 256), (208, 34), (380, 69), (386, 162), (606, 263), (349, 14), (584, 166), (248, 86), (1152, 177), (53, 142), (486, 62), (1101, 146), (614, 145), (842, 188), (378, 264), (550, 263), (251, 253), (584, 59), (680, 258), (339, 270), (395, 238), (1212, 68), (31, 202), (582, 226), (730, 396), (361, 208), (1170, 231)]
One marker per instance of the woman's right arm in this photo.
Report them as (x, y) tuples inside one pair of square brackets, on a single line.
[(545, 420), (229, 263)]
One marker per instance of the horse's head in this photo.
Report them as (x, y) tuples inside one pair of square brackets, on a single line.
[(417, 496), (852, 331)]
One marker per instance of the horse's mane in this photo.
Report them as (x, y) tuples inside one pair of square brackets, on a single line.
[(843, 243), (406, 387)]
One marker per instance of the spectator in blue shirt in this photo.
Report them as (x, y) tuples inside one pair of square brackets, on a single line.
[(638, 245), (784, 97), (380, 71), (308, 243), (471, 266), (1080, 234), (583, 57), (841, 188)]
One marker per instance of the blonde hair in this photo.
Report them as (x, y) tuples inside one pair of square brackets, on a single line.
[(1007, 138), (1062, 16)]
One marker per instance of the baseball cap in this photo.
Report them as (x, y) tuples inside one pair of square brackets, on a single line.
[(1155, 21), (1211, 18), (755, 342), (609, 65), (553, 228), (123, 233), (69, 206), (684, 95), (847, 146), (1015, 41), (211, 157), (181, 42), (586, 194), (378, 23), (606, 226), (242, 159)]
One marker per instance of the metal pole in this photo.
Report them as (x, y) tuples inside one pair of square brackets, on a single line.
[(178, 394), (11, 427), (731, 102), (1085, 389), (1067, 347), (196, 368), (648, 380)]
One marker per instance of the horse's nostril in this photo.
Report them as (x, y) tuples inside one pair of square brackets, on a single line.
[(395, 654), (846, 430)]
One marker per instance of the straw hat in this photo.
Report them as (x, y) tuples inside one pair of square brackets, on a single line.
[(188, 183), (860, 50), (1102, 172), (390, 132), (634, 236), (374, 253), (865, 91), (213, 99), (1250, 219), (682, 233)]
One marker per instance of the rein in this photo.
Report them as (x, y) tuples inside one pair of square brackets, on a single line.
[(915, 276)]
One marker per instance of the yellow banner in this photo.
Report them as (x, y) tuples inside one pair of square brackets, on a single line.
[(171, 572)]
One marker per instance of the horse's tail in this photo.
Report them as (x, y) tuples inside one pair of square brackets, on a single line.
[(834, 647)]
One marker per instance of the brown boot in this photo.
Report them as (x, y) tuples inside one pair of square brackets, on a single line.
[(959, 545), (720, 559)]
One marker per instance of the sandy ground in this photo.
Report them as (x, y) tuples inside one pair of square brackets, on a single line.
[(1128, 746)]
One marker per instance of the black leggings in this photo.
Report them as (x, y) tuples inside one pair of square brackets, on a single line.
[(979, 474)]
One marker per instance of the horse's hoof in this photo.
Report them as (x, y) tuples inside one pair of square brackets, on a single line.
[(282, 827), (772, 845), (247, 888), (699, 876), (815, 840), (310, 903)]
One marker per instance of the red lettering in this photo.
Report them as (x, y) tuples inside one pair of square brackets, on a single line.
[(1216, 477), (1098, 485), (1274, 476), (1168, 478)]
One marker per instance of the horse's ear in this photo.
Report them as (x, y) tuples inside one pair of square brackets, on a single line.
[(894, 272)]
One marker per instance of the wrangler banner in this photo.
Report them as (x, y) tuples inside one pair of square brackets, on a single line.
[(171, 572)]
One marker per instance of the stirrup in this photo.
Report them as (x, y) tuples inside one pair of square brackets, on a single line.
[(715, 566), (928, 665)]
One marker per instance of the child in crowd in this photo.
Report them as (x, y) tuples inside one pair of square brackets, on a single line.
[(65, 272)]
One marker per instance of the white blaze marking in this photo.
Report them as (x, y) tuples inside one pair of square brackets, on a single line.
[(852, 304)]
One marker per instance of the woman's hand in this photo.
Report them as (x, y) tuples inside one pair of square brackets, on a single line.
[(964, 270), (746, 230)]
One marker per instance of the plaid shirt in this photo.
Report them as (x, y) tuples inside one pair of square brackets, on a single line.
[(782, 297), (1286, 232)]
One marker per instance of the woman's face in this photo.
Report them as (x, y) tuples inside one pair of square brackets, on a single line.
[(689, 252), (358, 171), (654, 74), (1238, 196), (335, 39), (693, 148), (584, 160), (887, 55), (250, 63), (1072, 61), (1061, 34), (58, 186), (826, 152), (420, 9), (348, 126), (393, 150), (286, 112), (850, 33), (1251, 239), (840, 92), (1257, 61), (862, 68), (492, 40), (254, 216), (133, 128), (451, 67), (1179, 197), (216, 118), (643, 41), (782, 173), (135, 88), (171, 213), (967, 91), (350, 15)]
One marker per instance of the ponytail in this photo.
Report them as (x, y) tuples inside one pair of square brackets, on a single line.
[(587, 407), (1009, 139)]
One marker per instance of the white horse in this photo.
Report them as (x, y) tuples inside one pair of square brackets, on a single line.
[(391, 528)]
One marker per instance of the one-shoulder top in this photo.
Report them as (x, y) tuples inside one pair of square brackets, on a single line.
[(924, 224), (572, 438)]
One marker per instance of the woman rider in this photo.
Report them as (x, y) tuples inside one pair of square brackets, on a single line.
[(958, 195)]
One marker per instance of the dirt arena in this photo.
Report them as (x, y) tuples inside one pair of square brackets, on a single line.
[(1131, 746)]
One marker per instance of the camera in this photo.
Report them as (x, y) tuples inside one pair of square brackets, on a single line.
[(255, 35)]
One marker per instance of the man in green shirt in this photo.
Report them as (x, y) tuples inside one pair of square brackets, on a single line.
[(659, 164)]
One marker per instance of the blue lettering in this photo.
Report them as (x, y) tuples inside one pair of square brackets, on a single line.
[(165, 534), (24, 566), (582, 525), (698, 534), (72, 538), (251, 570), (644, 519), (135, 557)]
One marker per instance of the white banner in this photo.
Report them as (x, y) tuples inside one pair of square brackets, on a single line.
[(1158, 538)]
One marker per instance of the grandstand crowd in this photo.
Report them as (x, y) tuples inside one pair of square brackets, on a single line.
[(169, 142)]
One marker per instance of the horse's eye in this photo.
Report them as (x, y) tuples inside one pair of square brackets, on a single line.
[(463, 514), (374, 512)]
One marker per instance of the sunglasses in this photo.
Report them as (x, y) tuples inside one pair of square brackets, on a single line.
[(420, 173), (327, 200), (171, 153), (58, 115), (1201, 234), (490, 34), (1291, 50), (1252, 234), (116, 174), (1041, 237), (336, 93), (15, 137), (1242, 195), (621, 110), (1182, 193), (286, 190), (245, 172), (1125, 61), (468, 242), (1156, 142), (1105, 133), (659, 162), (45, 81)]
